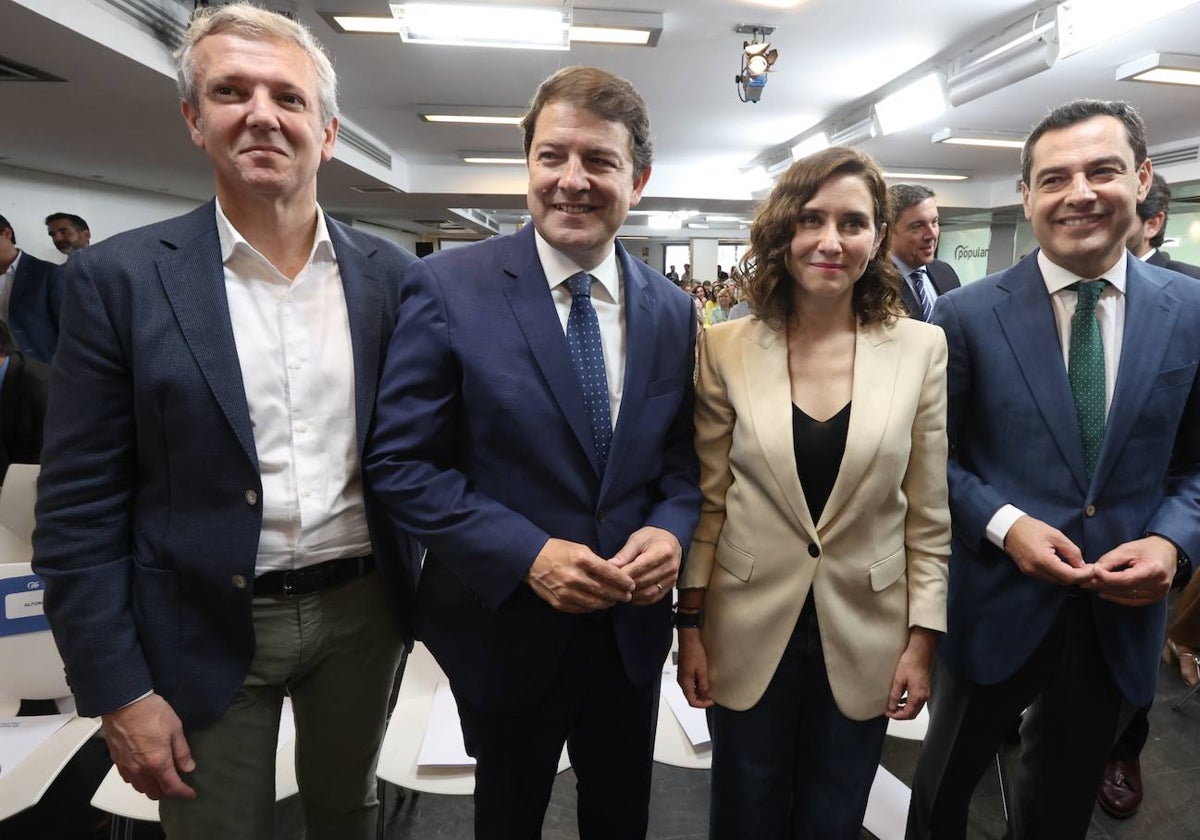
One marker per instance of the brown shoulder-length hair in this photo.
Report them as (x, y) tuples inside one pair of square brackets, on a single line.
[(768, 286)]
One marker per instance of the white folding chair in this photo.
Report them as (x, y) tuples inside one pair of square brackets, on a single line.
[(31, 669), (17, 499)]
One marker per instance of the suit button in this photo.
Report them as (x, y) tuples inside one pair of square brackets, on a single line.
[(813, 551), (601, 515), (1090, 510), (239, 582), (251, 498)]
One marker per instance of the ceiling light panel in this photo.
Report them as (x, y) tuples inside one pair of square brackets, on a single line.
[(470, 115), (913, 104), (1164, 68), (476, 25), (990, 139), (1085, 23)]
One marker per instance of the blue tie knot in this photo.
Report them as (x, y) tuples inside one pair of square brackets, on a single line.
[(580, 284)]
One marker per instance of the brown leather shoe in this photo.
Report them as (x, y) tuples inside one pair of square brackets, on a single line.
[(1121, 788)]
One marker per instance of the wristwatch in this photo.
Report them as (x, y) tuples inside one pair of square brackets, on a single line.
[(685, 619)]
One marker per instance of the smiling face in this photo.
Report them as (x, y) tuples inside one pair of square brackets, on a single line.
[(834, 240), (66, 238), (1082, 194), (259, 118), (581, 181), (915, 234)]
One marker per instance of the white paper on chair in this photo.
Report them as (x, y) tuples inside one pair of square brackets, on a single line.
[(442, 745), (20, 736), (693, 721), (887, 807)]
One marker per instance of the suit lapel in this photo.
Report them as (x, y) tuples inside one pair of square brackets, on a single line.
[(765, 364), (641, 322), (1027, 319), (1151, 314), (364, 307), (193, 278), (528, 295), (876, 362)]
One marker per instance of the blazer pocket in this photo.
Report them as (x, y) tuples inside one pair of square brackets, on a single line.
[(887, 571), (1176, 376), (666, 385), (733, 560)]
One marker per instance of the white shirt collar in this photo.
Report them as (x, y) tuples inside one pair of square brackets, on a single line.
[(1058, 278), (1146, 256), (232, 241), (12, 266), (558, 267)]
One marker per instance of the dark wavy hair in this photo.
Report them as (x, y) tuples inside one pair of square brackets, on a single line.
[(768, 285)]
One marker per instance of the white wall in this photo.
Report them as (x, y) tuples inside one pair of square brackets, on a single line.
[(405, 240), (27, 197)]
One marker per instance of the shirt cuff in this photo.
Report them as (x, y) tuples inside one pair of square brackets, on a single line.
[(1001, 521)]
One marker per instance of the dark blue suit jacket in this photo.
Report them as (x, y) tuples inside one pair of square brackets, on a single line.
[(33, 307), (482, 449), (149, 511), (1163, 260), (1014, 439)]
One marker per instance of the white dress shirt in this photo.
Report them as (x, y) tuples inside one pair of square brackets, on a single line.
[(607, 296), (293, 346), (931, 293), (1110, 314)]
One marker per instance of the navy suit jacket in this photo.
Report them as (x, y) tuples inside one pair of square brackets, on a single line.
[(33, 307), (941, 274), (149, 501), (1014, 439), (1163, 260), (482, 449)]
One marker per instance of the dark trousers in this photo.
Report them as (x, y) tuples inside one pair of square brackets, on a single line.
[(608, 725), (792, 765), (1129, 746), (1074, 712)]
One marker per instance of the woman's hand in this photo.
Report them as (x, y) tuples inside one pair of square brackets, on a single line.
[(910, 684), (693, 668)]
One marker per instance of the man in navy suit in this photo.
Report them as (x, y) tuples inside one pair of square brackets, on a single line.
[(915, 234), (1074, 424), (206, 539), (30, 291), (535, 433)]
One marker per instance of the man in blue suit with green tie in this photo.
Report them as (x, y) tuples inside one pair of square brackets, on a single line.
[(535, 433), (1074, 424)]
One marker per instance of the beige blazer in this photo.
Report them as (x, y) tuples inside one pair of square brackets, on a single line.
[(877, 560)]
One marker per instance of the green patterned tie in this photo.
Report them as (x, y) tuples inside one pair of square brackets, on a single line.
[(1085, 369)]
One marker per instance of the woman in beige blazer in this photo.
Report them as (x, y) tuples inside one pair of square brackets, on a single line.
[(815, 585)]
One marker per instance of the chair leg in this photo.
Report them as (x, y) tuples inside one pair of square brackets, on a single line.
[(1178, 704), (1005, 788)]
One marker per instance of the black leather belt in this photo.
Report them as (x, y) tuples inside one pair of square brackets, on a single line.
[(310, 579)]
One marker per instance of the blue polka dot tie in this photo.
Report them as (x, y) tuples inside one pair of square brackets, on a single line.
[(1085, 370), (587, 354), (918, 286)]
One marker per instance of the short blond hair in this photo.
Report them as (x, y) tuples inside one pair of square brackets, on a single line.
[(254, 22)]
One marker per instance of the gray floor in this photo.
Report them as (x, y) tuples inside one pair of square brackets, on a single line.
[(1170, 765)]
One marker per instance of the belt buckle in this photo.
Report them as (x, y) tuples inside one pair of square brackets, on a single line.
[(287, 584)]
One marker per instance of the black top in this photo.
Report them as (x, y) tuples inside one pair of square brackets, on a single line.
[(819, 448)]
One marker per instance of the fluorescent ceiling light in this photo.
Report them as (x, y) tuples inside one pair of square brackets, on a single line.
[(1023, 50), (810, 145), (491, 158), (899, 174), (609, 35), (1085, 23), (856, 132), (696, 225), (1165, 68), (470, 115), (991, 139), (366, 24), (477, 25), (913, 104), (664, 221)]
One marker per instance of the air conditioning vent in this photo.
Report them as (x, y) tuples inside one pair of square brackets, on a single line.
[(1179, 154), (369, 190), (365, 145), (166, 20)]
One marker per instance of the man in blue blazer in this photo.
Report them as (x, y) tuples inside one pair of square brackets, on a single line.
[(915, 234), (535, 433), (30, 293), (203, 530), (1074, 424)]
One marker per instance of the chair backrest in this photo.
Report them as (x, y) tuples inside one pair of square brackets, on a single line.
[(30, 665), (17, 498)]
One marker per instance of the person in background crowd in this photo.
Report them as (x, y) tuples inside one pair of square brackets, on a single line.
[(915, 235), (721, 311), (68, 231), (815, 586), (22, 404), (30, 295)]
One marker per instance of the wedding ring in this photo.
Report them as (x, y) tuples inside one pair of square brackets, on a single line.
[(659, 587)]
